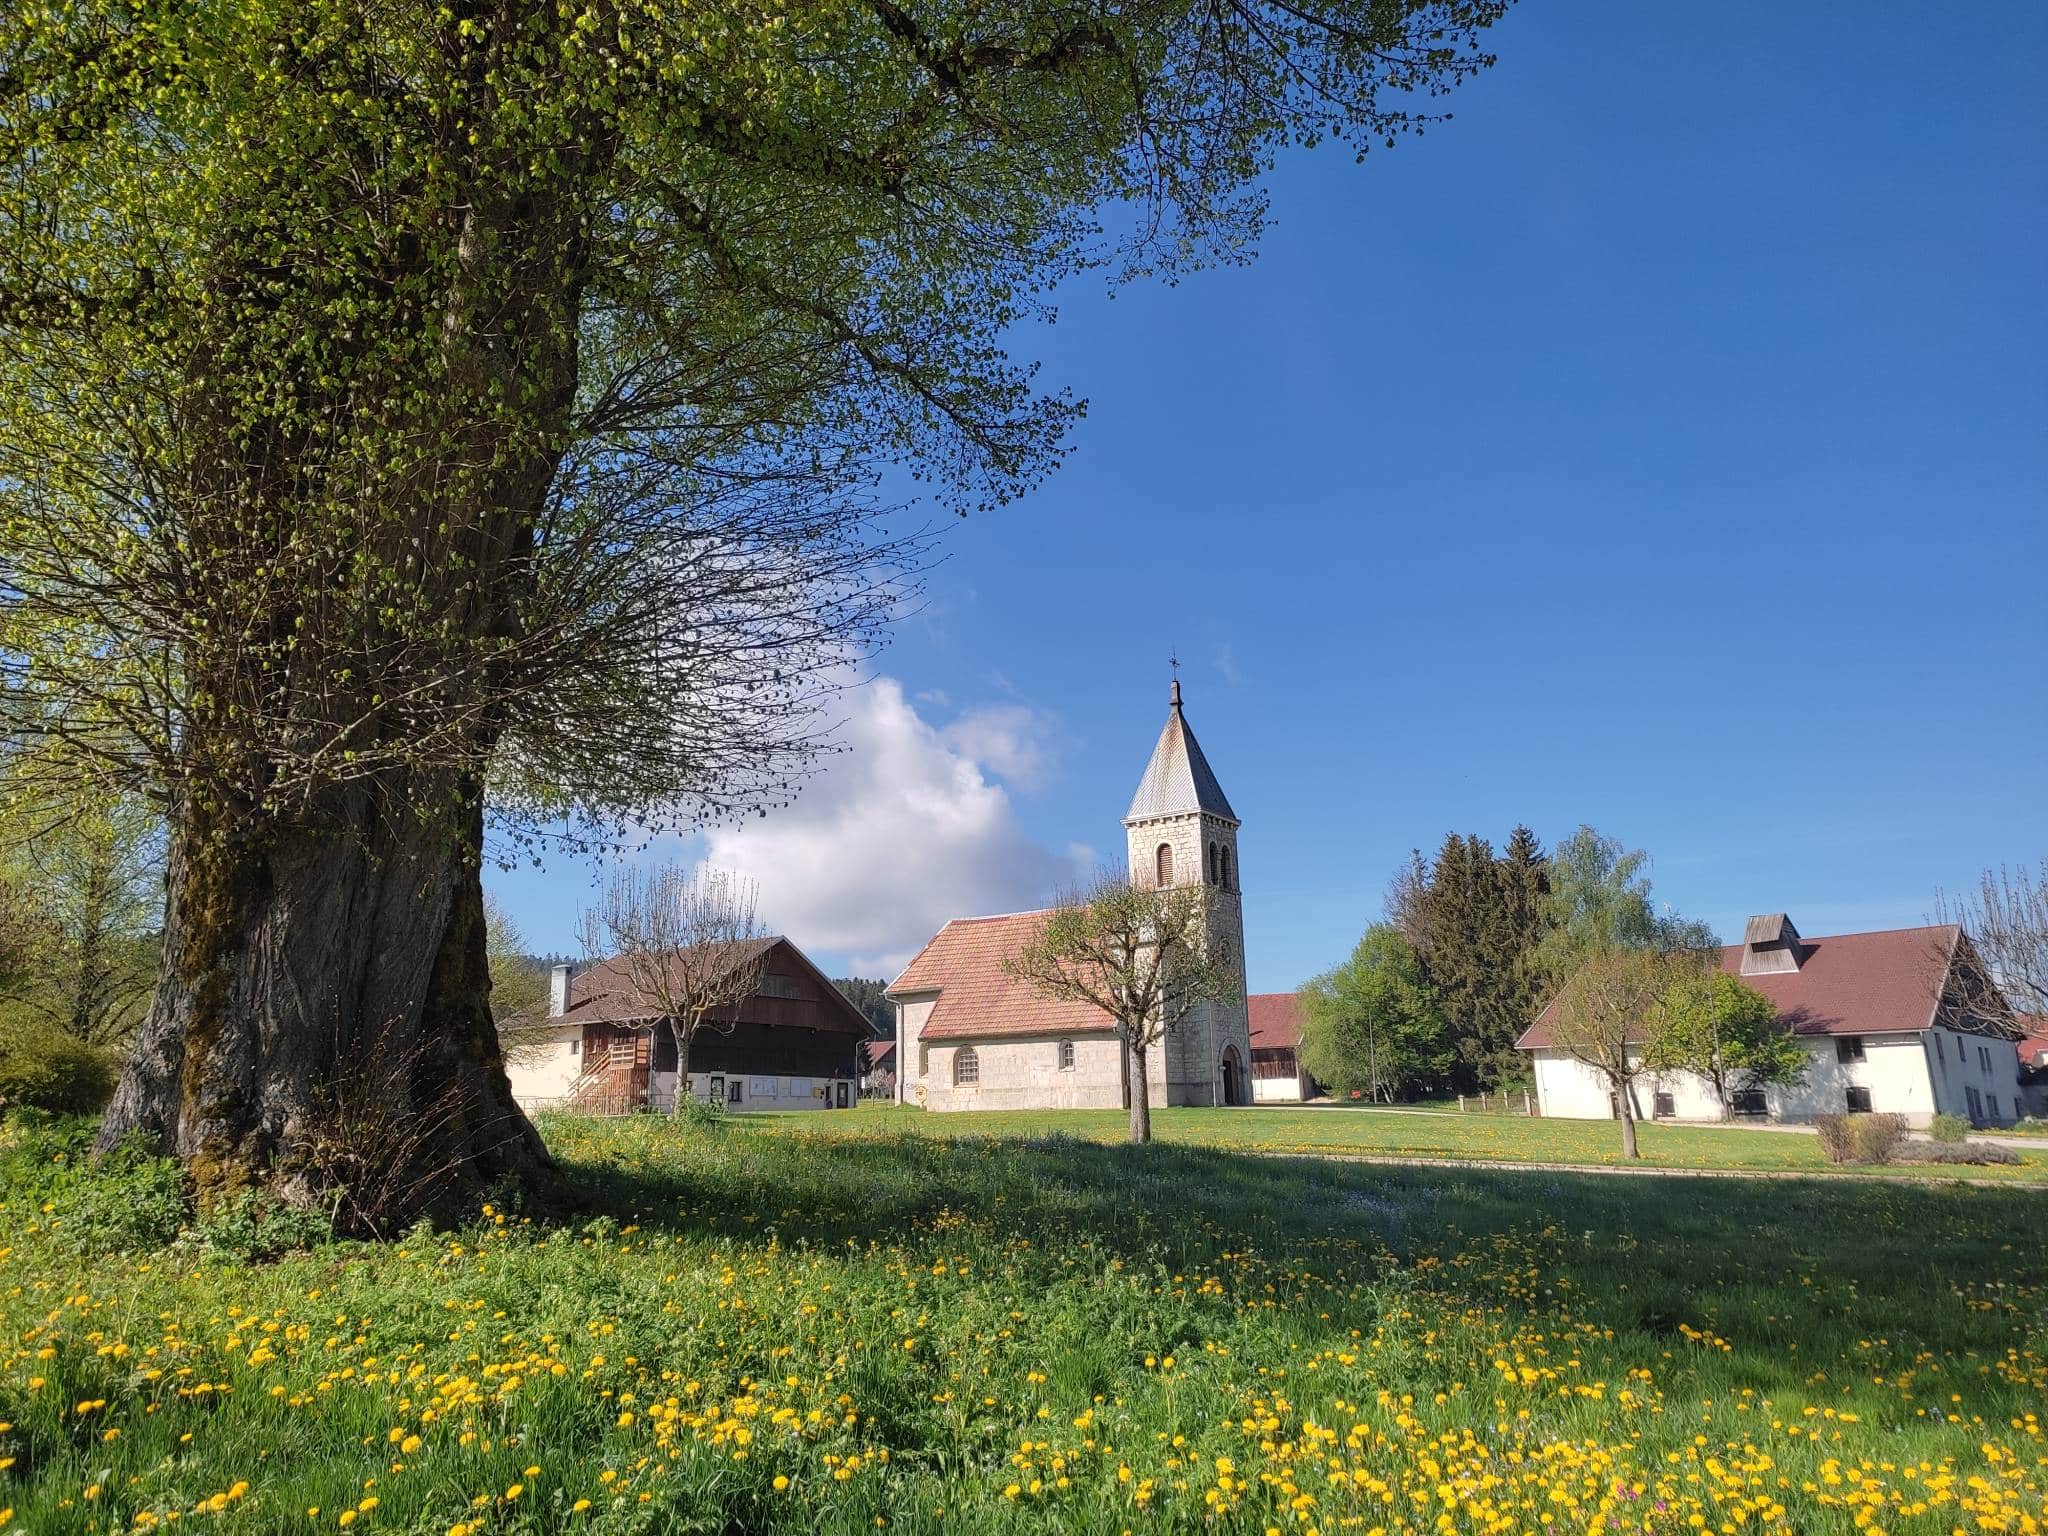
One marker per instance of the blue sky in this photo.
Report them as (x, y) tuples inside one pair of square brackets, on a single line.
[(1661, 444)]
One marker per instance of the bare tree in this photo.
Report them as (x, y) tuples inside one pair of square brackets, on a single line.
[(2006, 918), (1144, 956), (1611, 1016), (687, 945)]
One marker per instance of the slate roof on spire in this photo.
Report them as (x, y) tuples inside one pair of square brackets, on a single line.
[(1178, 780)]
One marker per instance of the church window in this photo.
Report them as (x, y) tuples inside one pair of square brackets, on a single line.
[(1164, 861), (1066, 1055), (1224, 877), (966, 1067), (1215, 867)]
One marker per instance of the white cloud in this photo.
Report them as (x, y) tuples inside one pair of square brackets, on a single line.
[(906, 828), (1010, 740)]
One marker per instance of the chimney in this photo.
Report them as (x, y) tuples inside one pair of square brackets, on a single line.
[(1771, 946), (558, 991)]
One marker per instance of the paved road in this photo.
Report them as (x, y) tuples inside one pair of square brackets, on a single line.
[(2017, 1143)]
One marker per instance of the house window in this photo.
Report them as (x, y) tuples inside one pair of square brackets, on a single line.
[(1748, 1101), (1859, 1101), (1976, 1104), (799, 1087), (1940, 1052), (1663, 1107), (1848, 1048), (762, 1087), (1163, 861), (1066, 1055), (966, 1067), (1993, 1101), (576, 1045), (732, 1091), (1984, 1059)]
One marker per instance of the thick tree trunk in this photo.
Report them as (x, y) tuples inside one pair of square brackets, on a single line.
[(1141, 1097), (321, 1027)]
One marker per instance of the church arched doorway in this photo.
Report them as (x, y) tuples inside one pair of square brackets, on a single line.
[(1233, 1077)]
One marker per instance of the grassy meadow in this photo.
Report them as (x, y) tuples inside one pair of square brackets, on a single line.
[(1407, 1133), (777, 1326)]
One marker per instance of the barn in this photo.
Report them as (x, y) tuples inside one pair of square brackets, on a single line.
[(602, 1046)]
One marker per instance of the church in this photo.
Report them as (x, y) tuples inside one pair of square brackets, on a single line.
[(968, 1036)]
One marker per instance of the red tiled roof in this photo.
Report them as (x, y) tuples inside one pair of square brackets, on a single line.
[(880, 1053), (1849, 984), (1276, 1020), (963, 963), (2033, 1044)]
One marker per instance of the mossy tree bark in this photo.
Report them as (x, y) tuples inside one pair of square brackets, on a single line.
[(322, 1028)]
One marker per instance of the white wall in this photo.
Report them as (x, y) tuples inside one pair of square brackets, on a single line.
[(758, 1093), (1024, 1073), (1903, 1073), (550, 1061), (1277, 1090)]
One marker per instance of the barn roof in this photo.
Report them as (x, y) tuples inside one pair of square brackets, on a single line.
[(977, 999), (1275, 1020), (1889, 982), (607, 994)]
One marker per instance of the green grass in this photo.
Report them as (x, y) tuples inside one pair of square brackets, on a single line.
[(1391, 1133), (976, 1333)]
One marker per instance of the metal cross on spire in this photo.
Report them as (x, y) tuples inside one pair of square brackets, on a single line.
[(1173, 661)]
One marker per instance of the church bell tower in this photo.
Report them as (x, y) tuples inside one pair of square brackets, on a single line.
[(1181, 831)]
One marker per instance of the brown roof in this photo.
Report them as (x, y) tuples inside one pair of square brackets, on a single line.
[(881, 1053), (606, 993), (963, 963), (1276, 1020), (1850, 984)]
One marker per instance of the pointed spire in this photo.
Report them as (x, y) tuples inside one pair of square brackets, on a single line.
[(1178, 781)]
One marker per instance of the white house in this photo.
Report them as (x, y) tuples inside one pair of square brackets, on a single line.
[(1904, 1021), (968, 1036)]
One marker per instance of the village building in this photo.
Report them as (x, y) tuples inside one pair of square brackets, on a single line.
[(1904, 1021), (2032, 1047), (1277, 1075), (969, 1036), (603, 1046)]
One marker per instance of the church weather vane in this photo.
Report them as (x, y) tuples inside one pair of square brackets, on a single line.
[(1173, 661)]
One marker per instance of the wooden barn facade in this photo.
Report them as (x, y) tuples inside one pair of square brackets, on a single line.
[(602, 1047)]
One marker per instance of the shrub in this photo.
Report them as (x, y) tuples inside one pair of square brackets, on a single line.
[(1860, 1138), (1949, 1128), (251, 1227), (125, 1201), (1980, 1153), (42, 1067)]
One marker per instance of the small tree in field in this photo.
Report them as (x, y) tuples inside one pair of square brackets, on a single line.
[(1144, 956), (1719, 1028), (686, 945), (1611, 1015)]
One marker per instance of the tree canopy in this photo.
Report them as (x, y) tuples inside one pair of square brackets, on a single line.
[(1372, 1027), (412, 409)]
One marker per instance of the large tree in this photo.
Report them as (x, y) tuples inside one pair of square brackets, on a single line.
[(1372, 1026), (1143, 955), (415, 409), (2006, 917)]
